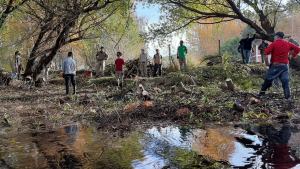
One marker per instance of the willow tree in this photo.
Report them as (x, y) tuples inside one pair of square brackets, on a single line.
[(261, 15), (60, 23)]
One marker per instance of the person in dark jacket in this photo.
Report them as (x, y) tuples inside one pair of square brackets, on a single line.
[(247, 48)]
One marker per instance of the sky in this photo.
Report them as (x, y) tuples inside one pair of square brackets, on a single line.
[(152, 14)]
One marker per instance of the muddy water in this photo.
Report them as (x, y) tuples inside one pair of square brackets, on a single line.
[(79, 146)]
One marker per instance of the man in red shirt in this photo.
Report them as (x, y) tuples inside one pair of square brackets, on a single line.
[(119, 63), (279, 68)]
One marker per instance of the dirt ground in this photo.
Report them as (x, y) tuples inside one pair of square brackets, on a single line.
[(191, 99)]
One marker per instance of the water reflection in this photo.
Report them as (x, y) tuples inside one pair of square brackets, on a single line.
[(77, 146)]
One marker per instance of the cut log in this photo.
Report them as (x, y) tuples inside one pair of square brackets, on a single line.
[(230, 85), (238, 107)]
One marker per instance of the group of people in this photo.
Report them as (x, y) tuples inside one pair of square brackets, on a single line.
[(157, 60), (245, 48), (281, 51), (69, 65)]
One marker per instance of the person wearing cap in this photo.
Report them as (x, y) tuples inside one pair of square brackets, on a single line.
[(101, 57), (278, 66)]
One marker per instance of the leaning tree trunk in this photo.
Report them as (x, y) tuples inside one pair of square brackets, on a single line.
[(45, 60), (35, 66), (33, 55)]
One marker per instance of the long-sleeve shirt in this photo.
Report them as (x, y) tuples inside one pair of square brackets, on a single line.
[(280, 50), (248, 43), (69, 66), (143, 57)]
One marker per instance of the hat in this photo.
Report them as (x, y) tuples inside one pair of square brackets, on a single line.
[(279, 34)]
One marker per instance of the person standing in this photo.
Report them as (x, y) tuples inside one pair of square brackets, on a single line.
[(279, 68), (143, 63), (262, 48), (119, 63), (241, 49), (181, 56), (69, 72), (18, 64), (101, 57), (157, 59), (248, 48)]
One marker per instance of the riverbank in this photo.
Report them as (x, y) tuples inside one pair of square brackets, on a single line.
[(195, 98)]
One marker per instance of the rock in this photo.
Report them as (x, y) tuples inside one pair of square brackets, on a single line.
[(131, 107), (157, 90), (15, 83), (147, 104), (254, 100), (183, 112), (238, 107)]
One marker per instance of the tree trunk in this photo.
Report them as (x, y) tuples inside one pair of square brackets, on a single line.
[(34, 67)]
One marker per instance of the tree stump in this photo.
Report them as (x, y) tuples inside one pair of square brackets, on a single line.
[(230, 85)]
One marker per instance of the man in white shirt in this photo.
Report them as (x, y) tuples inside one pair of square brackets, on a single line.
[(69, 72), (143, 63)]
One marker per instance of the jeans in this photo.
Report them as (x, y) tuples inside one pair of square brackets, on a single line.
[(182, 64), (262, 55), (157, 68), (70, 78), (100, 68), (120, 78), (143, 69), (277, 71), (247, 56)]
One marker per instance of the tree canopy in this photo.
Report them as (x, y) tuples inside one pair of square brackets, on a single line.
[(261, 15)]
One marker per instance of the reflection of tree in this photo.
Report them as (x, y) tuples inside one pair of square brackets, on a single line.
[(214, 143), (73, 147)]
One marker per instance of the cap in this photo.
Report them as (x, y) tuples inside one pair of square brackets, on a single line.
[(279, 34)]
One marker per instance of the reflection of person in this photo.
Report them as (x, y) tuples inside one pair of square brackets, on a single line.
[(276, 151), (181, 55), (143, 63), (69, 71), (279, 51), (119, 63), (101, 57)]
